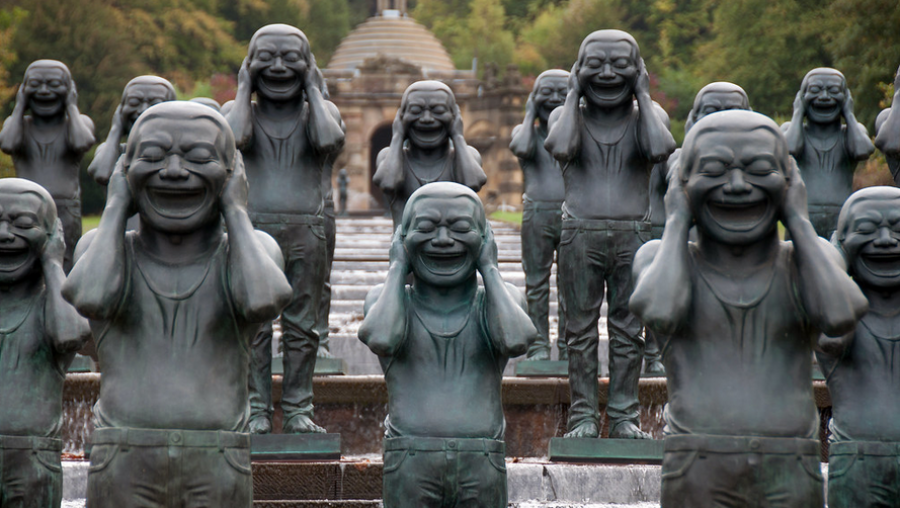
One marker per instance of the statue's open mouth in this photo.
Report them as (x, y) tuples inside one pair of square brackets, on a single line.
[(45, 103), (885, 264), (825, 109), (428, 134), (279, 84), (13, 259), (613, 91), (177, 203), (738, 216), (444, 263)]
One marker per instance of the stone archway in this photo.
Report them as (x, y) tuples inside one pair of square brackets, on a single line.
[(381, 138)]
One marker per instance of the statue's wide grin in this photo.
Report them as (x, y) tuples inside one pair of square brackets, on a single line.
[(177, 203)]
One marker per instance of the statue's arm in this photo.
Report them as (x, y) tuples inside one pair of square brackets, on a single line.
[(257, 283), (508, 324), (97, 281), (326, 129), (793, 130), (859, 145), (831, 300), (564, 126), (656, 140), (80, 129), (389, 173), (662, 270), (12, 136), (887, 130), (522, 144), (468, 166), (106, 155), (240, 113), (383, 329), (67, 330)]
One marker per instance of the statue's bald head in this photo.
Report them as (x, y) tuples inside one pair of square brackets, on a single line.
[(427, 86), (610, 35), (279, 29), (155, 81), (823, 71), (858, 202), (50, 64), (548, 74), (715, 97)]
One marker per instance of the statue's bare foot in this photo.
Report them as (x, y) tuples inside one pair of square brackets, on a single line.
[(627, 430), (538, 354), (323, 352), (586, 429), (260, 425), (301, 424), (656, 368)]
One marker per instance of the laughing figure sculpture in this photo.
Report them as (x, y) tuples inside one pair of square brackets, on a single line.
[(739, 312)]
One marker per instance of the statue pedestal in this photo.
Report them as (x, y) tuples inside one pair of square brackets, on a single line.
[(542, 368), (324, 367), (295, 446), (632, 451)]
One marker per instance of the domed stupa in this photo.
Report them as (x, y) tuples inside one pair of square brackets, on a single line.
[(391, 35)]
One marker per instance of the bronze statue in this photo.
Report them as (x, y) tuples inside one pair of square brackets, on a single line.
[(826, 150), (542, 208), (712, 98), (48, 144), (739, 311), (443, 343), (427, 146), (288, 136), (607, 137), (861, 367), (887, 132), (139, 94), (343, 181), (172, 306), (39, 334)]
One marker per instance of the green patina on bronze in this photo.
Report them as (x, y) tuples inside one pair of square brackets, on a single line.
[(542, 203), (173, 306), (427, 145), (39, 334), (443, 343), (607, 137), (739, 312), (861, 367), (47, 145), (289, 136), (826, 150)]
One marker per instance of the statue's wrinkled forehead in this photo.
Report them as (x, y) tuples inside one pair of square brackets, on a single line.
[(428, 86), (152, 81), (605, 36), (181, 115), (862, 200), (11, 189), (444, 191), (552, 73), (278, 30), (49, 64), (825, 71), (736, 123)]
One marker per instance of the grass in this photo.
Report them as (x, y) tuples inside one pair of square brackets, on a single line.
[(510, 217), (90, 222)]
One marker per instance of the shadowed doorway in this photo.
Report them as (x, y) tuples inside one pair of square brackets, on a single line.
[(381, 138)]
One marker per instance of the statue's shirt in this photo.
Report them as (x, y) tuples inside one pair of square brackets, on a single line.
[(445, 385), (611, 177), (865, 382), (174, 359), (742, 367), (284, 172), (543, 178), (413, 177), (48, 161), (32, 374), (827, 168)]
